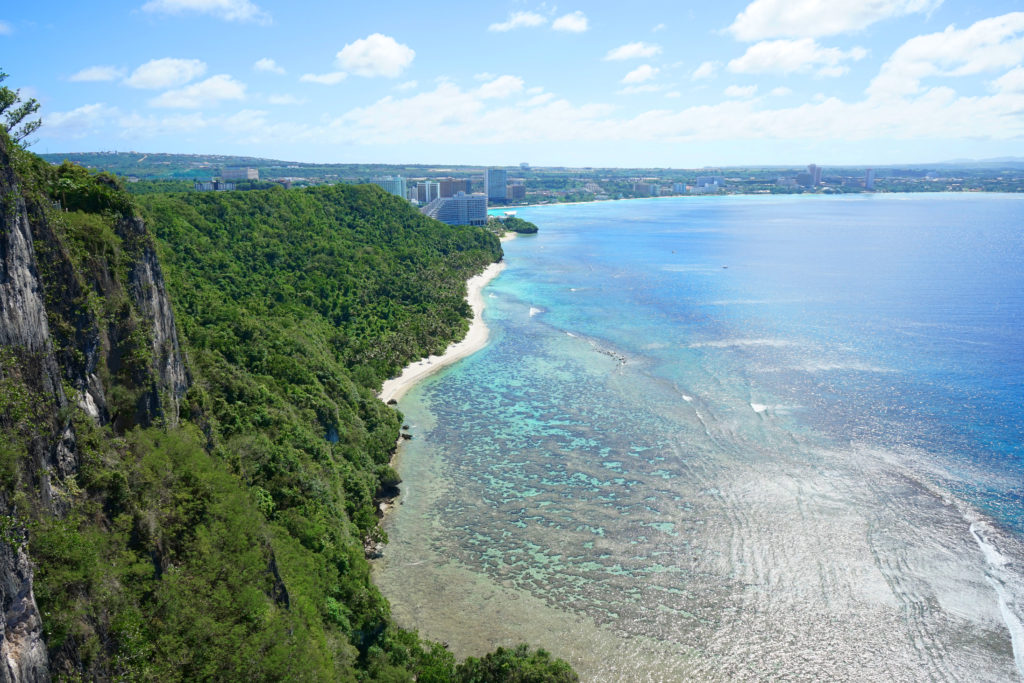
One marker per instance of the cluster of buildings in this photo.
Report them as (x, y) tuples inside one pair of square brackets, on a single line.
[(451, 201), (702, 185), (227, 175), (811, 178)]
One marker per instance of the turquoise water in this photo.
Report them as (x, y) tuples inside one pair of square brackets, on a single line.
[(733, 437)]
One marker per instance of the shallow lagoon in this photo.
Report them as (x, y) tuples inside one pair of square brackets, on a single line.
[(737, 437)]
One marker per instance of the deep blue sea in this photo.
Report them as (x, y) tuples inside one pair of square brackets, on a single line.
[(733, 438)]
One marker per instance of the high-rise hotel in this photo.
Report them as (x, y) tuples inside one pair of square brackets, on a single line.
[(496, 182)]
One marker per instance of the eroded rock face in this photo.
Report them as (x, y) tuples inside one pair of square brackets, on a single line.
[(22, 649), (25, 334), (50, 339), (150, 295), (23, 322)]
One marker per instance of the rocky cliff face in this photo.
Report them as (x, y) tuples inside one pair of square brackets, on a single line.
[(150, 296), (24, 332), (75, 329)]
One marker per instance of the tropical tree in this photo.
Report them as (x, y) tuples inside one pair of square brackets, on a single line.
[(14, 113)]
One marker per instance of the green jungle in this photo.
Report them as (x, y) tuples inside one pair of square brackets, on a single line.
[(216, 526)]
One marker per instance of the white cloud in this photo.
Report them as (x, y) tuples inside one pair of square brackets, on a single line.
[(644, 72), (269, 65), (485, 76), (332, 78), (165, 73), (705, 70), (376, 55), (503, 86), (781, 91), (741, 91), (448, 112), (408, 85), (574, 22), (638, 50), (674, 94), (211, 91), (285, 99), (794, 56), (79, 122), (1010, 82), (97, 73), (815, 18), (518, 20), (986, 45), (538, 100), (659, 27), (229, 10), (5, 29)]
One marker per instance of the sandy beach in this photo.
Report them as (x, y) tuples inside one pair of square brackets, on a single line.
[(474, 340)]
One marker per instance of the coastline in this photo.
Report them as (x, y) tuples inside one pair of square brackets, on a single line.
[(475, 339)]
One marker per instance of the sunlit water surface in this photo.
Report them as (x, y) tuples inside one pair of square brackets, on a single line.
[(733, 438)]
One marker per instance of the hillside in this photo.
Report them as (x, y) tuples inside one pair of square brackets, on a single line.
[(190, 442)]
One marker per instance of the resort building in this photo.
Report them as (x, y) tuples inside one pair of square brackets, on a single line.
[(710, 181), (815, 173), (516, 191), (462, 209), (240, 173), (395, 185), (496, 184), (452, 186), (427, 191), (213, 186)]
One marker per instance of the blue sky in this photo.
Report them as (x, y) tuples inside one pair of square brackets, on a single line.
[(666, 84)]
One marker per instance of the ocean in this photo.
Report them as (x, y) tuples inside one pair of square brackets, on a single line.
[(732, 438)]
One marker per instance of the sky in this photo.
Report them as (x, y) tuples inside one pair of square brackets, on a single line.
[(660, 84)]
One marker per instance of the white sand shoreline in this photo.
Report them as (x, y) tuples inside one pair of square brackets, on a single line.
[(475, 339)]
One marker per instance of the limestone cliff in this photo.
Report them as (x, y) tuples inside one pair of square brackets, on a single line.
[(150, 296), (84, 321)]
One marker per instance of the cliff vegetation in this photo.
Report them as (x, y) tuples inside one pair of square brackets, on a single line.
[(190, 440)]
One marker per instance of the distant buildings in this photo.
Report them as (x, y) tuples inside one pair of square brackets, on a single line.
[(213, 186), (645, 190), (808, 179), (515, 191), (394, 185), (462, 209), (496, 185), (525, 166), (869, 179), (452, 186), (815, 173), (240, 173), (427, 191), (679, 188)]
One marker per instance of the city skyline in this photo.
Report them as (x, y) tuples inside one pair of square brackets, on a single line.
[(747, 83)]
